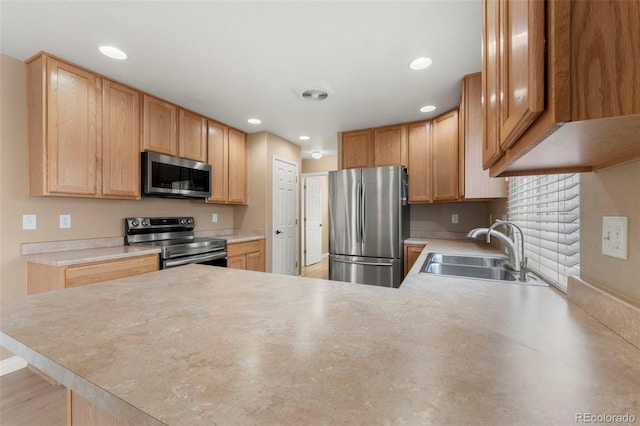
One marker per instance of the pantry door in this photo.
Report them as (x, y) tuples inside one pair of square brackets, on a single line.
[(285, 217)]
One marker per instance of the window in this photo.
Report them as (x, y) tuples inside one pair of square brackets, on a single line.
[(548, 210)]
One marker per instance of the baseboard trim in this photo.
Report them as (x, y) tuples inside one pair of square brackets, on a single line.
[(325, 255), (618, 315), (9, 365)]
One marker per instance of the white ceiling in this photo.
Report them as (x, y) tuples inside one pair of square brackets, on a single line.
[(234, 60)]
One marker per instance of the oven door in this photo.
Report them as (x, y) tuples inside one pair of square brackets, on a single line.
[(217, 258)]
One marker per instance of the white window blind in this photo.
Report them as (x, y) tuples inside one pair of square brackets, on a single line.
[(548, 210)]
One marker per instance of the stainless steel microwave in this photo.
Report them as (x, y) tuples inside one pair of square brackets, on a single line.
[(166, 176)]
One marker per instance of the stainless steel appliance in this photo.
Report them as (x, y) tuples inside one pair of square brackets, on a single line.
[(175, 238), (166, 176), (368, 223)]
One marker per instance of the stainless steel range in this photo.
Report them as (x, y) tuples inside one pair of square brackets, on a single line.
[(175, 238)]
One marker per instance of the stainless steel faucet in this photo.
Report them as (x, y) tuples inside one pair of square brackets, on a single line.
[(513, 263)]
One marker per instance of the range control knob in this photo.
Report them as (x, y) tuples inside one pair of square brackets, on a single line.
[(183, 221), (134, 223), (189, 221), (145, 222)]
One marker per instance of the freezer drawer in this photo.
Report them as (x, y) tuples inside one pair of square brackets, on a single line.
[(366, 270)]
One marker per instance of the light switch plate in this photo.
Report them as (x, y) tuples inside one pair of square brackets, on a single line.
[(214, 217), (454, 218), (614, 236), (65, 221), (29, 221)]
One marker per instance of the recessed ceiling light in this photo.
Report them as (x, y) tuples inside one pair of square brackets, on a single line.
[(420, 64), (113, 52), (316, 155), (304, 138), (254, 121), (427, 108)]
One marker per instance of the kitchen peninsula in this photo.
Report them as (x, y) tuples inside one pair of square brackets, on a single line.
[(200, 345)]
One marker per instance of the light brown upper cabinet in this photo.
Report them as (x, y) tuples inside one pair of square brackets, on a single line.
[(589, 113), (238, 164), (419, 166), (475, 182), (120, 141), (83, 132), (445, 160), (227, 154), (63, 128), (192, 136), (390, 146), (159, 122), (357, 149), (377, 147), (521, 67)]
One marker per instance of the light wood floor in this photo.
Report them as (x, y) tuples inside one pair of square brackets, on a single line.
[(26, 399), (317, 270)]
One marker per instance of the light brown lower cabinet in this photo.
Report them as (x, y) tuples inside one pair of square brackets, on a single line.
[(81, 412), (41, 278), (411, 253), (248, 255)]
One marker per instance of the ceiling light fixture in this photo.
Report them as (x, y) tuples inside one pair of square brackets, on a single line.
[(304, 138), (316, 155), (427, 108), (113, 52), (254, 121), (420, 64)]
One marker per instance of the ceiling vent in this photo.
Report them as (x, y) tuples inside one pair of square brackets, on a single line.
[(316, 91), (315, 94)]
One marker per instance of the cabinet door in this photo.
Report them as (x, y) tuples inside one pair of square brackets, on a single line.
[(445, 157), (192, 139), (390, 146), (73, 126), (255, 261), (218, 155), (521, 64), (419, 167), (237, 262), (356, 149), (120, 141), (411, 253), (237, 167), (490, 73), (159, 126)]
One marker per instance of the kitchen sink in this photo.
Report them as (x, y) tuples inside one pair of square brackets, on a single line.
[(475, 267), (456, 259)]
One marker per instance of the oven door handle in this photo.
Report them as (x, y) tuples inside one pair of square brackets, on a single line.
[(194, 259)]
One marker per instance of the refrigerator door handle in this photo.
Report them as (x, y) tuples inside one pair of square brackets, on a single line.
[(389, 263), (364, 225), (358, 201)]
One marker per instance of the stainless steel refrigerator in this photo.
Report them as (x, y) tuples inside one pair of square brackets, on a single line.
[(368, 223)]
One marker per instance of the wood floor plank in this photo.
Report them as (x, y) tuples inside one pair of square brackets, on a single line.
[(26, 399)]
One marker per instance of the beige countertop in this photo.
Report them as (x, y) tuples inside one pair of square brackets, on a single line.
[(74, 257), (201, 345), (235, 236)]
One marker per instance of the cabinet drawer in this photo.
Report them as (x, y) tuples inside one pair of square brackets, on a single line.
[(104, 271), (235, 249)]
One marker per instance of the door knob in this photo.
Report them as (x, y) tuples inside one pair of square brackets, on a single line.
[(278, 232)]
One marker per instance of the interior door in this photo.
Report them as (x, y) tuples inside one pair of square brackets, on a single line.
[(344, 212), (285, 218), (313, 221)]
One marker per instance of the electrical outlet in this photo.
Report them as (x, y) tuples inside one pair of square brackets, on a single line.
[(454, 218), (29, 221), (614, 236), (214, 217), (65, 221)]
